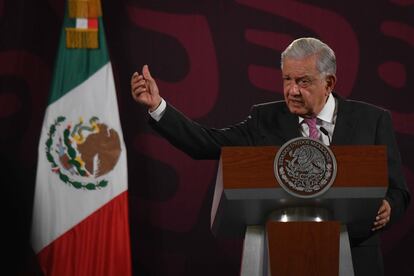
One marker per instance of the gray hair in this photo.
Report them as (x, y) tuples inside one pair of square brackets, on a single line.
[(307, 46)]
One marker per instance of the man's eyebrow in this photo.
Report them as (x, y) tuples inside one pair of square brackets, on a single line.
[(296, 78)]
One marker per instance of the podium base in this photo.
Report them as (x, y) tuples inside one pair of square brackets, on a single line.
[(255, 258)]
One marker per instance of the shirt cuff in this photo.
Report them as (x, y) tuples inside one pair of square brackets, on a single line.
[(159, 111)]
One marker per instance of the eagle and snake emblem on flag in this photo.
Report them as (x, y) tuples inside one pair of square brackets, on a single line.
[(84, 153)]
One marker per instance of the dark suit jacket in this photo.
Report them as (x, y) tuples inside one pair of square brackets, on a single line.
[(271, 123)]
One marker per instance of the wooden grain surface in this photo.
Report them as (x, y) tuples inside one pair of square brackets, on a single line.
[(252, 167), (303, 248)]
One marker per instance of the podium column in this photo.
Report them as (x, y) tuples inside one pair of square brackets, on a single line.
[(257, 262)]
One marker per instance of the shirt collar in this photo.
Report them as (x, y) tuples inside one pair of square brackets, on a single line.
[(327, 112)]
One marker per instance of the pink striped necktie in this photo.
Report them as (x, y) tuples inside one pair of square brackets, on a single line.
[(313, 130)]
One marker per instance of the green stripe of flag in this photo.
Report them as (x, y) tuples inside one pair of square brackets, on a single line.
[(74, 66)]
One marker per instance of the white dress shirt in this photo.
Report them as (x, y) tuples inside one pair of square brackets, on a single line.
[(326, 119), (159, 111)]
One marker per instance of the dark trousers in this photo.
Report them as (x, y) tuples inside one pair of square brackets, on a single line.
[(367, 260)]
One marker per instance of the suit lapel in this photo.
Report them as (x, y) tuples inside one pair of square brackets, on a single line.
[(344, 124), (288, 125)]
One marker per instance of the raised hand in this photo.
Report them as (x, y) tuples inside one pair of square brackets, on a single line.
[(144, 89)]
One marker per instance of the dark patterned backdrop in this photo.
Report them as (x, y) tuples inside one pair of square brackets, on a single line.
[(212, 59)]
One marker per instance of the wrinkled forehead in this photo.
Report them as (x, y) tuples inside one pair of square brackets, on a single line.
[(299, 67)]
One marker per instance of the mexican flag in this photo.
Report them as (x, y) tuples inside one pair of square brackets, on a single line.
[(80, 214)]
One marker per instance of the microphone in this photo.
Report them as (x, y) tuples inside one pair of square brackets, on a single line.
[(324, 131)]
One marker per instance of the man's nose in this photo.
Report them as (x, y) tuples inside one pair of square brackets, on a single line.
[(294, 89)]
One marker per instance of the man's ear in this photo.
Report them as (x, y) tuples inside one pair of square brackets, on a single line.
[(330, 82)]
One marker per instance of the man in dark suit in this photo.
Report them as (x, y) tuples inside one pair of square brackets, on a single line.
[(309, 109)]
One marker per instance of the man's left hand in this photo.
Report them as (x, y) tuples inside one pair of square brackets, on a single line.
[(383, 215)]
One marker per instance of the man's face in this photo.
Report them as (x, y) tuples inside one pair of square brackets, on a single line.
[(305, 89)]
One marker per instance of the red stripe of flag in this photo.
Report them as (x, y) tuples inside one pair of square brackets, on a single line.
[(92, 23), (99, 245)]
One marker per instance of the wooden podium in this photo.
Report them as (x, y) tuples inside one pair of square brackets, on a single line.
[(288, 235)]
